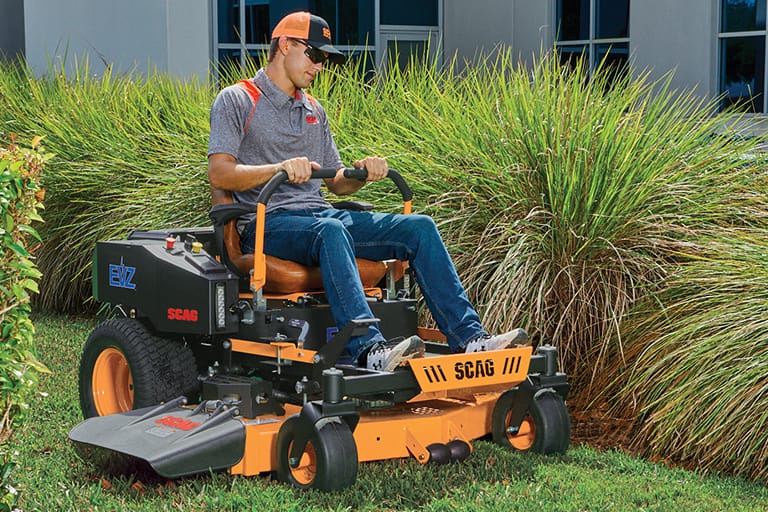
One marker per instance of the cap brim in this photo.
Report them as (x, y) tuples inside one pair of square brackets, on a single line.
[(334, 55)]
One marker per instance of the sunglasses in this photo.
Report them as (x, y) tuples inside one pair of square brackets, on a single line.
[(313, 54)]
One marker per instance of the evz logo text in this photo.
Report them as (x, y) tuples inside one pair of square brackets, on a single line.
[(121, 276)]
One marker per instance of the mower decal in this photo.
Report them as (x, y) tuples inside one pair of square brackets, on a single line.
[(460, 371), (121, 276), (511, 365), (330, 332), (183, 314), (177, 423), (435, 373), (160, 431), (473, 369)]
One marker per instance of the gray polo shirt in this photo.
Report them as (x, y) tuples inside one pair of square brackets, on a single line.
[(282, 127)]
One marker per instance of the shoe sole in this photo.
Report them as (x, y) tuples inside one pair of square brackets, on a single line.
[(402, 355), (520, 337)]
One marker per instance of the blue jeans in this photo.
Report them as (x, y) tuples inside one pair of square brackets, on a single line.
[(331, 239)]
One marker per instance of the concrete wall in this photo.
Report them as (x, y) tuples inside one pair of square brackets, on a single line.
[(190, 38), (679, 36), (533, 28), (523, 25), (470, 31), (11, 28), (137, 35)]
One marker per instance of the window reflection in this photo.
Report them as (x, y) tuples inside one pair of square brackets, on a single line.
[(356, 22), (248, 23), (594, 33), (573, 20), (742, 71), (742, 15), (351, 21), (611, 19), (257, 29), (228, 20), (409, 12), (571, 55)]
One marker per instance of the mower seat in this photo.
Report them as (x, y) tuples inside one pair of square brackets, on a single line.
[(285, 276)]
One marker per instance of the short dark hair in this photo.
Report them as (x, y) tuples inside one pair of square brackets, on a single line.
[(273, 49)]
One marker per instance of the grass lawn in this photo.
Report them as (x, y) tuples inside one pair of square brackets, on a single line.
[(53, 478)]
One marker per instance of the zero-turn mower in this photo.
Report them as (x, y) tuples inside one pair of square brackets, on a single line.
[(251, 341)]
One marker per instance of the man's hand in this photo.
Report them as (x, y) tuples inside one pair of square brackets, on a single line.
[(299, 169), (376, 166)]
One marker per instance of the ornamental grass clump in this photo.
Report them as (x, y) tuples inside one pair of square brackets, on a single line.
[(130, 155), (565, 198), (695, 374)]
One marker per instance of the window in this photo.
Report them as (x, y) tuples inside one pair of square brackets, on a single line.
[(410, 12), (595, 30), (242, 28), (408, 29), (742, 40)]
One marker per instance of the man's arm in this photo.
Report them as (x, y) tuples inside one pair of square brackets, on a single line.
[(341, 186), (226, 174)]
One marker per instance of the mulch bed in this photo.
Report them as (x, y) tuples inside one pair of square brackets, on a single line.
[(595, 427)]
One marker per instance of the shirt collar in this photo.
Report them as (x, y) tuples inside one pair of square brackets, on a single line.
[(275, 94)]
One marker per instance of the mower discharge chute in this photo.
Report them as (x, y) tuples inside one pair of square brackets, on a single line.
[(203, 324)]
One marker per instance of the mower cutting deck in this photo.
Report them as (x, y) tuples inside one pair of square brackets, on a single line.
[(267, 372)]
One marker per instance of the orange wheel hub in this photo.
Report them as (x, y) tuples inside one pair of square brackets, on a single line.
[(306, 471), (112, 383), (523, 439)]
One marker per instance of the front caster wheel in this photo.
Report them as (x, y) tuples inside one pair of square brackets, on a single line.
[(329, 461), (546, 426)]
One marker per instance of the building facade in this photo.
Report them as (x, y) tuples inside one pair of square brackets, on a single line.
[(717, 47)]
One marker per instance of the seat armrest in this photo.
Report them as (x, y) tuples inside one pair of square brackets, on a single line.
[(220, 214)]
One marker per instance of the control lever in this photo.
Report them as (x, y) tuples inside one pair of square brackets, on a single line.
[(304, 326)]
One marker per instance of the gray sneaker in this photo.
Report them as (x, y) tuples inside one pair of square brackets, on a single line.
[(486, 342), (385, 356)]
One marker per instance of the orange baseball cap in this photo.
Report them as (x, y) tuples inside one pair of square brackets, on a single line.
[(312, 29)]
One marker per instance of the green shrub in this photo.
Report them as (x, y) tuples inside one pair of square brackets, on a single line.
[(20, 198), (565, 200)]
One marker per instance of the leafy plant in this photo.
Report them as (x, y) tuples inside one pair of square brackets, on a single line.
[(20, 197)]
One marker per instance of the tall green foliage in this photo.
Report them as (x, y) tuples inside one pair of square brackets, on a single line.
[(130, 154), (20, 199), (565, 199), (694, 373)]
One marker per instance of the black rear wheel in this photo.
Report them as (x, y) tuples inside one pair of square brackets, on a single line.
[(124, 367)]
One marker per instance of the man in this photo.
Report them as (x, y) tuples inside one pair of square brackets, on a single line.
[(270, 125)]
